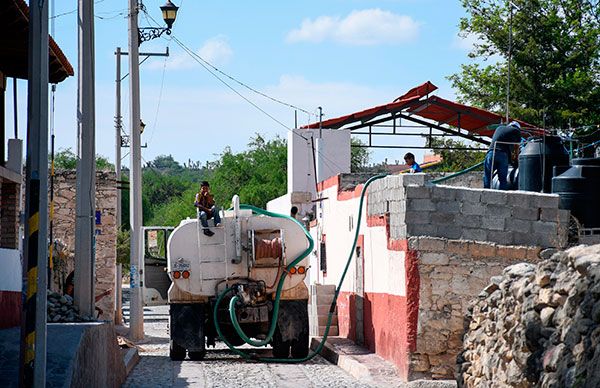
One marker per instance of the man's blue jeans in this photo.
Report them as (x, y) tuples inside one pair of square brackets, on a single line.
[(500, 165), (203, 216)]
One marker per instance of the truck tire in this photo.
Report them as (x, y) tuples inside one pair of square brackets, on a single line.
[(300, 344), (176, 352), (281, 349), (197, 355)]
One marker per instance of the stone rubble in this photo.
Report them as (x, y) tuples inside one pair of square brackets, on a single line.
[(62, 309), (536, 325)]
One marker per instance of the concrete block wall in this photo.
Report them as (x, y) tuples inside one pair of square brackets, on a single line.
[(417, 208)]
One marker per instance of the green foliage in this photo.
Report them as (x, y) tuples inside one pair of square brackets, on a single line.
[(172, 212), (123, 249), (256, 175), (454, 160), (67, 160), (555, 69), (359, 156)]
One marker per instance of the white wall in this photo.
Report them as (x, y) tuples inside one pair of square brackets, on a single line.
[(384, 270), (10, 276), (335, 154)]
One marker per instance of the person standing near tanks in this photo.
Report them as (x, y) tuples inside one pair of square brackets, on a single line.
[(499, 155), (409, 159), (206, 208)]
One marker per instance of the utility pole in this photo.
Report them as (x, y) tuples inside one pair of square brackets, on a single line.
[(136, 325), (119, 121), (35, 247), (118, 128), (85, 255)]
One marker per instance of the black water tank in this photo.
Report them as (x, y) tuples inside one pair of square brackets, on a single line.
[(579, 190), (540, 155)]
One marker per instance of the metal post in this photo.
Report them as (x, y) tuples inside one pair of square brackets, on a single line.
[(118, 126), (136, 326), (119, 295), (86, 166), (35, 247), (510, 5)]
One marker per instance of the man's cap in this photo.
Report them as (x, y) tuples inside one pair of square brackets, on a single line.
[(515, 124), (204, 183)]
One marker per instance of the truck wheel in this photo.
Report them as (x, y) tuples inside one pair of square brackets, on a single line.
[(176, 352), (281, 349), (197, 356), (300, 345)]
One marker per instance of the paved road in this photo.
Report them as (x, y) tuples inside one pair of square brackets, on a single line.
[(221, 368)]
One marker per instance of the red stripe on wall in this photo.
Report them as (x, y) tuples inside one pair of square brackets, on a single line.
[(386, 327), (10, 309)]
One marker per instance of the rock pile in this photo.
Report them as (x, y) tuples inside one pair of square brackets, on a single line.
[(536, 325), (62, 309)]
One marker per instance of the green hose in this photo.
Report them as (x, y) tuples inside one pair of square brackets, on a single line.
[(461, 172), (280, 286)]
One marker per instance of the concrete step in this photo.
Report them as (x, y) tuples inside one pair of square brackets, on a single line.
[(322, 299), (322, 289), (333, 331), (323, 319), (322, 309)]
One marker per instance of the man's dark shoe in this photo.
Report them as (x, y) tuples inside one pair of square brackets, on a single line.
[(208, 232)]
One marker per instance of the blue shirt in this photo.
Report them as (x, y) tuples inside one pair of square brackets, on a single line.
[(415, 167)]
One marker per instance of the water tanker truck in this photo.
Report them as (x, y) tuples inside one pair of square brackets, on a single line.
[(245, 283)]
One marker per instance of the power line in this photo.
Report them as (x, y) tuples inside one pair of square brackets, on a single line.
[(209, 68), (241, 83), (162, 81)]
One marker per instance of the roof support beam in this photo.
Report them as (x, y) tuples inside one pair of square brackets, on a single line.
[(444, 129)]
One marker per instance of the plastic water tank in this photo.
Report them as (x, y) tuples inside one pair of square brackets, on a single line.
[(579, 190), (537, 160)]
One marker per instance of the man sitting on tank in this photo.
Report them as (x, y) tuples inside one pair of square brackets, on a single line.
[(206, 209), (499, 155)]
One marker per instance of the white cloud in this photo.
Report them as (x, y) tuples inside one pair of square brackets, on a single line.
[(363, 28), (215, 50), (466, 43)]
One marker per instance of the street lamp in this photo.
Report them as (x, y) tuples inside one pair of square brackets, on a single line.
[(169, 13)]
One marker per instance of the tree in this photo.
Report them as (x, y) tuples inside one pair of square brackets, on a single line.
[(359, 156), (555, 52), (452, 159), (256, 175), (67, 160)]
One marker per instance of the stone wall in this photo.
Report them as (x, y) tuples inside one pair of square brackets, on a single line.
[(106, 235), (505, 217), (9, 213), (451, 272), (537, 325)]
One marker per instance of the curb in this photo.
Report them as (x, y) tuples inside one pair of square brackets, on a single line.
[(346, 362), (131, 358)]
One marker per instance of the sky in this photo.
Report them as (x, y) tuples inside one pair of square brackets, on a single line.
[(341, 55)]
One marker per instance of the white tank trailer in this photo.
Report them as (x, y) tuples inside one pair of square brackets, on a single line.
[(248, 253)]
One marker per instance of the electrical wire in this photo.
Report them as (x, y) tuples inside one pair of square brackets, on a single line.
[(71, 12), (162, 81), (212, 70)]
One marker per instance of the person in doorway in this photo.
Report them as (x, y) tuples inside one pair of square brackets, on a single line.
[(409, 159), (206, 208), (499, 155), (294, 212)]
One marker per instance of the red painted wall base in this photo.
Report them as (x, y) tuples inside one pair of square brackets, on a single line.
[(10, 309)]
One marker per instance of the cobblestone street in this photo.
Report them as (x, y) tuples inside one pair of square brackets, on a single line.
[(221, 368)]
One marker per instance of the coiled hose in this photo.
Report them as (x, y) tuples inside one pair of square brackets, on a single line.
[(271, 331)]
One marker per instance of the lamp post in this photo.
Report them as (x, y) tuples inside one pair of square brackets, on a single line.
[(136, 37)]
